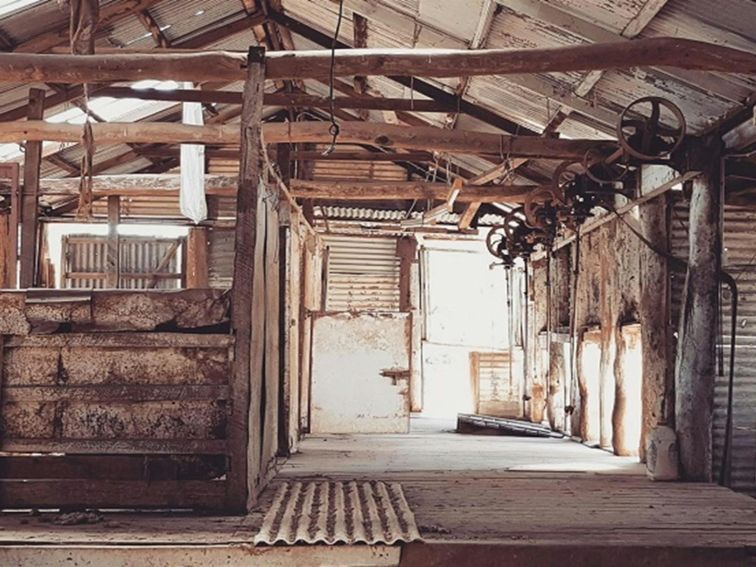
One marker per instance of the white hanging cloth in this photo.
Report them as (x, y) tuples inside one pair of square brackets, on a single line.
[(192, 194)]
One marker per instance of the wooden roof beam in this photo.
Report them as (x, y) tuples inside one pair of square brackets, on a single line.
[(229, 66), (415, 83), (165, 185), (486, 177), (384, 135), (110, 14), (136, 185), (152, 26), (199, 41), (345, 190), (294, 99)]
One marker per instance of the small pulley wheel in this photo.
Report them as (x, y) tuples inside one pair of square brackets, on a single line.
[(496, 242), (536, 201), (565, 175), (602, 167)]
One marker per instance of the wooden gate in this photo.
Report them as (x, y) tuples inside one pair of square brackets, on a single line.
[(116, 399)]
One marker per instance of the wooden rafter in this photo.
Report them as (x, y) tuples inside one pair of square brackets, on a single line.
[(110, 14), (152, 26), (486, 177), (198, 41)]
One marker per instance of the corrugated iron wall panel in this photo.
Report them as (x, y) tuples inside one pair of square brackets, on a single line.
[(740, 262), (363, 274), (220, 262), (87, 254)]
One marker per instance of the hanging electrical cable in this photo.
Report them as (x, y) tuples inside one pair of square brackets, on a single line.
[(510, 322), (334, 128), (526, 330), (568, 407)]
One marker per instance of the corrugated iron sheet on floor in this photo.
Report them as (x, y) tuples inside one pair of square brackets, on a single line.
[(369, 512)]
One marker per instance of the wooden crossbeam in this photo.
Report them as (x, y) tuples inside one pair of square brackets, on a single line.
[(387, 135), (125, 9), (337, 189), (141, 185), (229, 66), (362, 156), (168, 185), (294, 99), (415, 84), (486, 177)]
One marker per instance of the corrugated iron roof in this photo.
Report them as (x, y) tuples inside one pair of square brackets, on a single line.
[(528, 100)]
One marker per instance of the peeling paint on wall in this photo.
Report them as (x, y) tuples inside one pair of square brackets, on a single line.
[(360, 373)]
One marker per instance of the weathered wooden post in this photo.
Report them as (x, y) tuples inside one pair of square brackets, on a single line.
[(696, 349), (29, 194), (245, 383), (113, 259)]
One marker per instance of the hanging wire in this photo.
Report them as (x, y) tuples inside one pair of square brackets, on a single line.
[(334, 128), (526, 330), (573, 329), (510, 326)]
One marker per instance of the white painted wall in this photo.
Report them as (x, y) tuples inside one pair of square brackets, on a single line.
[(349, 395)]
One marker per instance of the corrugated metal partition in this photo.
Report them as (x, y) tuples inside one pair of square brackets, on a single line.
[(220, 264), (740, 261), (363, 274), (145, 262)]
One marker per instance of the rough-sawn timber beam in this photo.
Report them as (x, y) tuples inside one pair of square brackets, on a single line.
[(140, 185), (337, 189), (279, 99), (230, 66), (386, 135), (163, 185)]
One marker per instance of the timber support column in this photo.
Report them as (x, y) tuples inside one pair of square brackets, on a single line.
[(246, 381), (696, 348), (197, 272), (653, 311), (30, 194)]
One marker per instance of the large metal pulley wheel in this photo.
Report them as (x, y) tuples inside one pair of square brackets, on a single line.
[(651, 128)]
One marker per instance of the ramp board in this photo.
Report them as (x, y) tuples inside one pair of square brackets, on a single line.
[(472, 423), (338, 512)]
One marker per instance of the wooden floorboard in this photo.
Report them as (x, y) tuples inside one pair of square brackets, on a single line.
[(477, 500), (531, 491)]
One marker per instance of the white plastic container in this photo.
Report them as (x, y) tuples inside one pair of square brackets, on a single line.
[(662, 456)]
